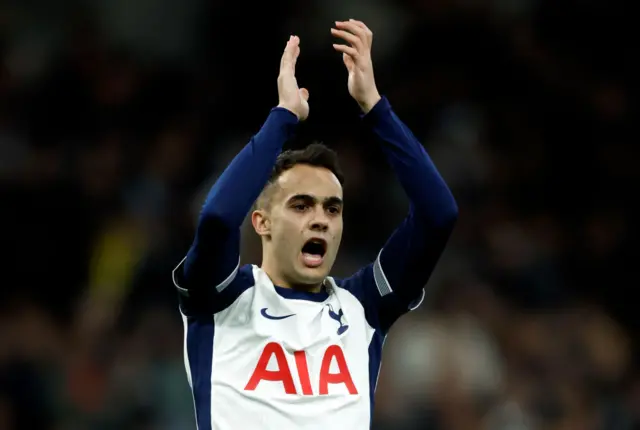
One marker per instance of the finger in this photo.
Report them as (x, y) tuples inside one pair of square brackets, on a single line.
[(348, 62), (296, 54), (289, 55), (285, 54), (304, 93), (367, 31), (360, 24), (353, 39), (348, 50), (352, 27)]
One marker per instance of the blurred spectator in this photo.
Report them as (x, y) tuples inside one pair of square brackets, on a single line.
[(115, 118)]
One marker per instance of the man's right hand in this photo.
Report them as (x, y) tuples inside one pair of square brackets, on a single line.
[(291, 97)]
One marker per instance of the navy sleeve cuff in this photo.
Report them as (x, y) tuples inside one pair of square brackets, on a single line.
[(383, 107), (284, 115)]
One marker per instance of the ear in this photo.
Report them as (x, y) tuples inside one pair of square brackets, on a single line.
[(261, 222)]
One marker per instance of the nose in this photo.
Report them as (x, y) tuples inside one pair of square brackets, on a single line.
[(320, 222), (320, 226)]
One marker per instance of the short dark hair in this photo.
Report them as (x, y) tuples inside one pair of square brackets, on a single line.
[(315, 154)]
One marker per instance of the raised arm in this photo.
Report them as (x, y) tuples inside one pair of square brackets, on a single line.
[(394, 283), (212, 260), (407, 260)]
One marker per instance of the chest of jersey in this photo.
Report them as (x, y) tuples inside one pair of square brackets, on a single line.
[(269, 347)]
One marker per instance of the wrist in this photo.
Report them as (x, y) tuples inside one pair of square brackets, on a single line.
[(288, 109), (367, 103), (284, 115)]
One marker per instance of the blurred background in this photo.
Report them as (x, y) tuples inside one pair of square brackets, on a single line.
[(116, 116)]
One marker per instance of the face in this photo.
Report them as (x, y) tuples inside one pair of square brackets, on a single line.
[(302, 225)]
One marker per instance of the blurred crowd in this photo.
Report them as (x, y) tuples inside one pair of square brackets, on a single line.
[(116, 117)]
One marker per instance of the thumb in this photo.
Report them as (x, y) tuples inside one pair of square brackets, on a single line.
[(348, 61), (304, 93)]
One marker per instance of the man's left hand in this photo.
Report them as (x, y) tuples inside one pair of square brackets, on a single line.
[(357, 58)]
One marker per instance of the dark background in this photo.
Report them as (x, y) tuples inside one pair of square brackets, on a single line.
[(116, 115)]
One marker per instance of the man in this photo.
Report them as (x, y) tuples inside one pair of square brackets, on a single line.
[(284, 345)]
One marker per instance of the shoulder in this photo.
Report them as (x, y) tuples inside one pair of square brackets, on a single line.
[(358, 287), (244, 278), (214, 299), (359, 284), (381, 305)]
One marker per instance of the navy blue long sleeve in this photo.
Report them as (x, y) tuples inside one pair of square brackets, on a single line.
[(215, 252), (411, 253)]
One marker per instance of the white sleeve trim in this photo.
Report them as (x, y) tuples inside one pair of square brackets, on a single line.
[(173, 278), (221, 286), (379, 277), (224, 284), (416, 303), (384, 288)]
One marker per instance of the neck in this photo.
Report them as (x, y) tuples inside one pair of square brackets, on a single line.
[(277, 278)]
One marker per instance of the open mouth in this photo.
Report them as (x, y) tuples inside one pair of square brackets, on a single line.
[(313, 252)]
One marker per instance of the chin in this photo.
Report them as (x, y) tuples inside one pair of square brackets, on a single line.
[(315, 275), (311, 275)]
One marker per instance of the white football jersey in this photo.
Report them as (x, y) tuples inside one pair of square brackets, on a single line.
[(259, 356)]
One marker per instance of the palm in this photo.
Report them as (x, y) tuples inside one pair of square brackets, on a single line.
[(357, 82), (351, 83), (354, 81), (291, 96), (356, 55), (301, 98)]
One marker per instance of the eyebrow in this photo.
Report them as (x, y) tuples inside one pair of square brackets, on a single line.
[(333, 200)]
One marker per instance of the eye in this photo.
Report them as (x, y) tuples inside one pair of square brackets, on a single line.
[(299, 207), (333, 210)]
